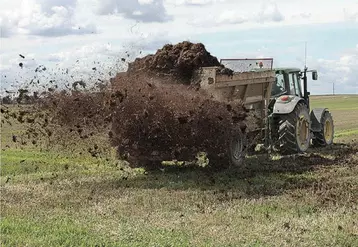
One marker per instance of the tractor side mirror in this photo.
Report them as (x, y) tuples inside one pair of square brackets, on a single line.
[(314, 75)]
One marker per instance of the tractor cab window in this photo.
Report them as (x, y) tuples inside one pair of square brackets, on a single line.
[(279, 86), (294, 82), (297, 80)]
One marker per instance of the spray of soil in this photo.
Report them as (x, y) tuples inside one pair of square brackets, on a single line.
[(163, 121), (149, 113), (158, 117)]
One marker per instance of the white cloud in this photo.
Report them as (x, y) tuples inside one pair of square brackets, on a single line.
[(301, 16), (342, 72), (351, 13), (194, 2), (47, 5), (86, 52), (138, 10), (270, 12), (44, 18), (230, 17), (152, 42), (5, 27)]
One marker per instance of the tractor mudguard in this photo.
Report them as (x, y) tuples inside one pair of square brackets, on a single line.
[(316, 118), (286, 106)]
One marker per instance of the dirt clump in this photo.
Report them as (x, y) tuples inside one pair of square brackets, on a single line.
[(178, 61)]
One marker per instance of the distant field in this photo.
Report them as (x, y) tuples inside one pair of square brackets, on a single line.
[(53, 197)]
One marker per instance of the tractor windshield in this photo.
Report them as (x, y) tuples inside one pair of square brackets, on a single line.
[(279, 87)]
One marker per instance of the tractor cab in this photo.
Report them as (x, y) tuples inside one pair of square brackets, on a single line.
[(288, 82)]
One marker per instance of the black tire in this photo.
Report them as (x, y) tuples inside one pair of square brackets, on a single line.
[(294, 131), (325, 136), (235, 155), (237, 150)]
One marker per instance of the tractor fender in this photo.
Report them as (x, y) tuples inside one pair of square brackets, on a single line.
[(316, 118), (286, 107)]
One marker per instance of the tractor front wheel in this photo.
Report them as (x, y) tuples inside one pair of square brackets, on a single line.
[(325, 136), (294, 130)]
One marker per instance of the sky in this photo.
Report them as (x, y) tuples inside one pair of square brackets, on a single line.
[(81, 39)]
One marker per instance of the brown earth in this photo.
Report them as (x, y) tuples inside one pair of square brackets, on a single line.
[(163, 121), (177, 61)]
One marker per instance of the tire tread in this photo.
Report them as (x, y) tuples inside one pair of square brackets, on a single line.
[(287, 131), (319, 140)]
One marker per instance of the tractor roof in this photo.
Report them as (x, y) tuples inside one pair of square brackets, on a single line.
[(286, 69)]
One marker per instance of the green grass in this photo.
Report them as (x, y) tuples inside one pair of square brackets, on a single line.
[(339, 102), (54, 197), (348, 133), (60, 231)]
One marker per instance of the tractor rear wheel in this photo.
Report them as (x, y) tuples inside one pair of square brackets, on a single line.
[(235, 155), (325, 136), (294, 130), (237, 149)]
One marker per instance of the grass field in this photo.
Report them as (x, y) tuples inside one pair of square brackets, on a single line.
[(52, 197), (344, 110)]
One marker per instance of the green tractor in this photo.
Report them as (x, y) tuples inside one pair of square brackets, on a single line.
[(291, 121)]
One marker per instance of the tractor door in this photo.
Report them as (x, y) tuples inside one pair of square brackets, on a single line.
[(280, 86), (294, 84), (287, 83)]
